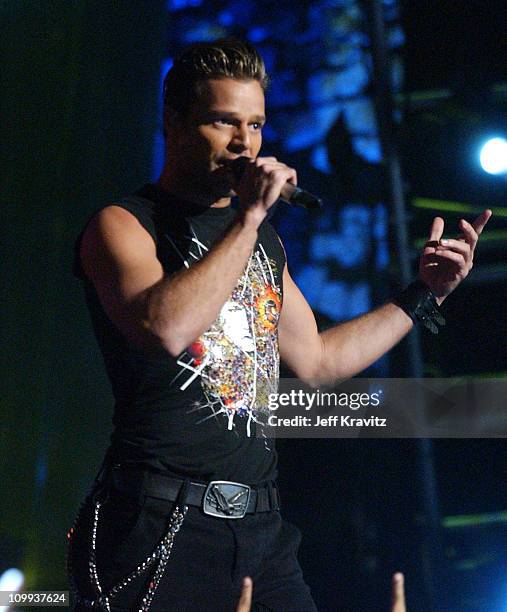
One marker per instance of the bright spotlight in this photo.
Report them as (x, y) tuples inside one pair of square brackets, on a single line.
[(11, 580), (493, 156)]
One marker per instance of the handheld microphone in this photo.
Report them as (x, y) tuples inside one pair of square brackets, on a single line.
[(290, 193)]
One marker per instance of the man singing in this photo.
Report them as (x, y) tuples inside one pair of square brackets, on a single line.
[(193, 307)]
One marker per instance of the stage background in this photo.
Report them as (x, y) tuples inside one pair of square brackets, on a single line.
[(81, 119)]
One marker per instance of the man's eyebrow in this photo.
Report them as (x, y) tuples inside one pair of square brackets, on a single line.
[(213, 114)]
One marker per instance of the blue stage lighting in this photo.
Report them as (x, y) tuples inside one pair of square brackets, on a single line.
[(493, 156)]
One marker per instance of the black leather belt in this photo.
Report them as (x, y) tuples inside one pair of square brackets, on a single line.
[(220, 498)]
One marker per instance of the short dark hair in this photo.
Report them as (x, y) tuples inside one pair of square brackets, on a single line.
[(225, 57)]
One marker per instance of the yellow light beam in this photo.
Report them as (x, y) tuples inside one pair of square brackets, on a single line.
[(457, 207), (474, 520)]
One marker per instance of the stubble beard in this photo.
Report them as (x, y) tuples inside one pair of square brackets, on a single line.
[(207, 187)]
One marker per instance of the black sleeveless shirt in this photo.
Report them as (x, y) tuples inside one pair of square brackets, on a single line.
[(200, 414)]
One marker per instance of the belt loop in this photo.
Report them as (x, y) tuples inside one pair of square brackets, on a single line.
[(271, 495), (262, 498), (274, 496), (183, 494)]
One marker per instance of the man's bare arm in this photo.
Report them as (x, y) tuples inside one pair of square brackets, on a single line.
[(150, 308), (350, 347), (339, 352), (160, 312)]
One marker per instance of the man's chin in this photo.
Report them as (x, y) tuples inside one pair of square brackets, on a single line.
[(221, 182), (223, 190)]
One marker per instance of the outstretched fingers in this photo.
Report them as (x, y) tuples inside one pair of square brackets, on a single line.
[(472, 231), (445, 262), (436, 231), (481, 221)]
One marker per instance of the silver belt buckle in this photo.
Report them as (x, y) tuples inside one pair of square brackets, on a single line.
[(226, 499)]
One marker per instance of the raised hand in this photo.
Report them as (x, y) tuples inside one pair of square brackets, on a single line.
[(260, 186), (398, 593), (245, 601), (445, 263)]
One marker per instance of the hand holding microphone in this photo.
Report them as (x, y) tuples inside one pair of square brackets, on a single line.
[(266, 179)]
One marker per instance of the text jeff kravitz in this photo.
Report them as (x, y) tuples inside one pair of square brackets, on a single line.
[(330, 421)]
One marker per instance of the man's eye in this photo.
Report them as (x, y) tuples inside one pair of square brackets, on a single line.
[(223, 121), (257, 126)]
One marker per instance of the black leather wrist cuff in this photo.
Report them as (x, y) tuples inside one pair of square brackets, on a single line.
[(420, 304)]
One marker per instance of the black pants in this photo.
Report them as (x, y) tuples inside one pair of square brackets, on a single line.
[(209, 558)]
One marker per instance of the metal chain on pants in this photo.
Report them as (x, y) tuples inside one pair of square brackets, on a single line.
[(161, 554)]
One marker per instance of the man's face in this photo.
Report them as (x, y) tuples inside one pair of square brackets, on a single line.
[(224, 124)]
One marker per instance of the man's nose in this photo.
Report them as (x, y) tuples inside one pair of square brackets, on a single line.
[(241, 139)]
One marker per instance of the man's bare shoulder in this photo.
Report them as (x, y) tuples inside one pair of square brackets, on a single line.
[(114, 219), (114, 234)]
